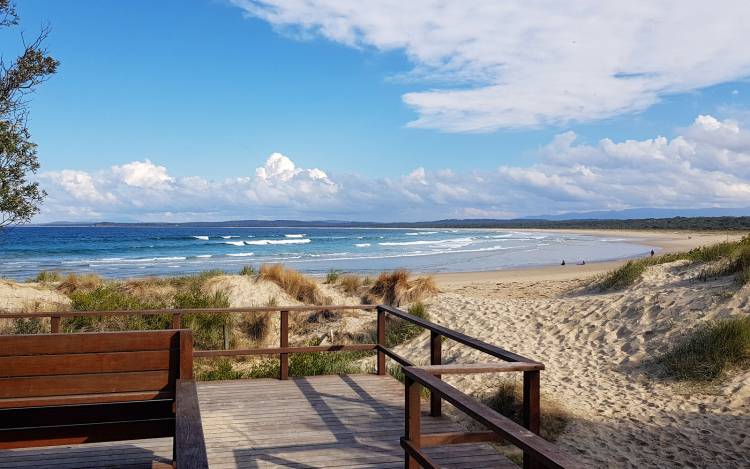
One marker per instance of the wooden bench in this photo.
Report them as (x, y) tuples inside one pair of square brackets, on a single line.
[(61, 389)]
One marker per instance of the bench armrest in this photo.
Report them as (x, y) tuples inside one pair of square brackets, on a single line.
[(189, 443)]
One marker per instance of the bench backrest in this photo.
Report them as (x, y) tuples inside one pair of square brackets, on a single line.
[(77, 382)]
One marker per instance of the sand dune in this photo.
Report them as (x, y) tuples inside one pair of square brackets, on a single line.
[(596, 348)]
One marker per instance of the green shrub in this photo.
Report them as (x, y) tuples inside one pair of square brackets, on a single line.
[(709, 351), (109, 297), (248, 270), (311, 364), (332, 276), (47, 276), (220, 369), (27, 326), (209, 329)]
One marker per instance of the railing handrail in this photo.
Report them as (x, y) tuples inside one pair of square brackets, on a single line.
[(148, 312), (476, 344), (540, 450)]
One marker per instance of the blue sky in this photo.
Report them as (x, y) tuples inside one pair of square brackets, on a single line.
[(211, 88)]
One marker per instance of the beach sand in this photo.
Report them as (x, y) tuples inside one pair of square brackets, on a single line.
[(597, 349)]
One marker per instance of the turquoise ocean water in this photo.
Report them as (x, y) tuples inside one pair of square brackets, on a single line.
[(143, 251)]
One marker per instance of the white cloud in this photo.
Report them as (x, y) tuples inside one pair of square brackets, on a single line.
[(143, 174), (707, 165), (515, 64)]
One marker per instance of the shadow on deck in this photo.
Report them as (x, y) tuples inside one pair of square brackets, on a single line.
[(320, 421)]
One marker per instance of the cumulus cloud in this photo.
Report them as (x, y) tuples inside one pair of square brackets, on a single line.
[(706, 165), (143, 174), (515, 64)]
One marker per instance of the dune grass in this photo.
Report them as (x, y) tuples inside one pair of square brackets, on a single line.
[(208, 328), (318, 363), (731, 257), (294, 284), (399, 331), (708, 352), (507, 399), (249, 271), (332, 276), (75, 282), (350, 284), (396, 288), (48, 276)]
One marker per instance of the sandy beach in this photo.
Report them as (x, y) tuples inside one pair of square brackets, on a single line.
[(597, 349)]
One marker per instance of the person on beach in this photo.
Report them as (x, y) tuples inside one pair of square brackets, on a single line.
[(652, 253), (563, 262)]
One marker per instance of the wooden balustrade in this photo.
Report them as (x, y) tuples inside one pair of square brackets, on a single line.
[(537, 452)]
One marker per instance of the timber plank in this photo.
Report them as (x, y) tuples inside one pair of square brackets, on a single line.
[(43, 386), (86, 342), (72, 364)]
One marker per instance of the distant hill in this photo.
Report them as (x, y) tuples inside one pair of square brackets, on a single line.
[(646, 213), (722, 223)]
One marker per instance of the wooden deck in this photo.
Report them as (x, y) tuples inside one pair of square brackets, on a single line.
[(348, 421)]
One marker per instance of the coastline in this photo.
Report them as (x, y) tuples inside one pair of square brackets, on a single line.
[(665, 241)]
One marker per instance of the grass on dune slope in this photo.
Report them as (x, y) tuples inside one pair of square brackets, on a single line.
[(708, 352), (731, 257)]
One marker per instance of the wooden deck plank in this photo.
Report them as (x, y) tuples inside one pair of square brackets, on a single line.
[(350, 421)]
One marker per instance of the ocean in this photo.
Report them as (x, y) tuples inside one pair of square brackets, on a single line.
[(118, 252)]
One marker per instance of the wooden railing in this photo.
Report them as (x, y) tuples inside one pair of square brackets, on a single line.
[(537, 451)]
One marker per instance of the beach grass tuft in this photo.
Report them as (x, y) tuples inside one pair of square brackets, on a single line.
[(709, 351), (248, 270), (399, 331), (295, 284), (350, 284), (396, 288), (507, 399), (48, 276), (83, 282), (332, 276)]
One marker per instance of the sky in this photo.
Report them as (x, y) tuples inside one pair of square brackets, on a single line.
[(198, 110)]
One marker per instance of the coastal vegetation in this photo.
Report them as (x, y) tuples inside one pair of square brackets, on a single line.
[(506, 398), (726, 258), (721, 223), (709, 351), (20, 195)]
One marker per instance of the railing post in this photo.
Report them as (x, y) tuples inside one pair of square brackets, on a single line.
[(55, 324), (225, 333), (412, 419), (176, 320), (436, 358), (531, 411), (381, 341), (284, 342)]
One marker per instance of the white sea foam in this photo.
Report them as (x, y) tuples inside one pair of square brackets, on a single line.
[(363, 245), (418, 233), (203, 255), (229, 237), (235, 243), (295, 236), (241, 254), (204, 238), (456, 243), (263, 242)]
